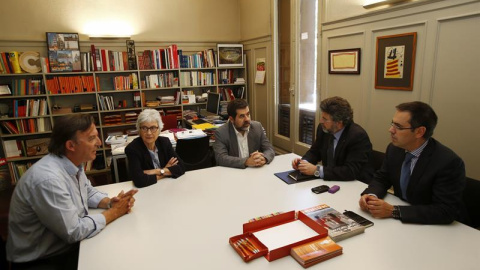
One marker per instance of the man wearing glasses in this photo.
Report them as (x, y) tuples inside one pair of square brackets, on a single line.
[(342, 146), (422, 171)]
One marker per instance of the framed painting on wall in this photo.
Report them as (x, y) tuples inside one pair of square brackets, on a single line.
[(395, 61), (63, 52), (344, 61), (230, 55)]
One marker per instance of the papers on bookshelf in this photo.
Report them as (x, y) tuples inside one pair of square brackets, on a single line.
[(12, 148), (317, 251), (5, 90), (338, 225), (190, 134), (116, 139)]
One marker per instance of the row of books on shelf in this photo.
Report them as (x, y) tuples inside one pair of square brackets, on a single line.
[(71, 84), (17, 169), (125, 82), (161, 80), (22, 87), (9, 63), (198, 78), (29, 107), (228, 76), (325, 227), (159, 58), (228, 93), (203, 59), (23, 126), (106, 60)]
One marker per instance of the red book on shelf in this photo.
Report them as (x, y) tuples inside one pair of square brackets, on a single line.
[(104, 60), (6, 62)]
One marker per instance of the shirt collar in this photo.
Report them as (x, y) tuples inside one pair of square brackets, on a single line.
[(338, 134), (419, 150), (238, 132), (69, 166)]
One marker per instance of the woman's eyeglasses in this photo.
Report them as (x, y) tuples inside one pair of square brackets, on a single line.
[(146, 129)]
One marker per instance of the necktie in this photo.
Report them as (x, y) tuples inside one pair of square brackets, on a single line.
[(405, 174), (330, 153)]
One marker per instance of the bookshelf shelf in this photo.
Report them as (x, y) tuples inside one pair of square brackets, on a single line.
[(127, 91)]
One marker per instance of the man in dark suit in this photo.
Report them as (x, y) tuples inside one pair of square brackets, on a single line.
[(241, 142), (422, 171), (342, 146)]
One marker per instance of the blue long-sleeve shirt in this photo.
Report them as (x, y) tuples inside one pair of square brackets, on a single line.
[(49, 210)]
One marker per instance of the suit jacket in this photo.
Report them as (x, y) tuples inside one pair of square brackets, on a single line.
[(139, 159), (435, 188), (226, 145), (352, 154)]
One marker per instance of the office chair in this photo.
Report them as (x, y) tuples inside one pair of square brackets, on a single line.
[(195, 153), (471, 199), (376, 159), (169, 121)]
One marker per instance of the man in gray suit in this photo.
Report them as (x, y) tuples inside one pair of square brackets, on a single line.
[(241, 142)]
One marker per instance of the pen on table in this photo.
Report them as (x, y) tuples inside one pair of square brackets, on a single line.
[(246, 246), (237, 246), (252, 245)]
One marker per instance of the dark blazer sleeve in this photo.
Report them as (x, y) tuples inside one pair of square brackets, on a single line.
[(315, 153), (435, 188), (165, 153), (352, 156)]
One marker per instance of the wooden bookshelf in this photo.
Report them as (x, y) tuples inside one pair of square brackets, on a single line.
[(116, 92)]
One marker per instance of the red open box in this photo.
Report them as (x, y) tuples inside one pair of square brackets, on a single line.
[(259, 225)]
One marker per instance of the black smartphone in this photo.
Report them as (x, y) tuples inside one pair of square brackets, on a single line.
[(320, 189), (359, 219)]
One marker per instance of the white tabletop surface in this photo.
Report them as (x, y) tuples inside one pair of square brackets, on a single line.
[(185, 223)]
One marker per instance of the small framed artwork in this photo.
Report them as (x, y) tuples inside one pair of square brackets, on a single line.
[(63, 52), (230, 55), (344, 61), (395, 61)]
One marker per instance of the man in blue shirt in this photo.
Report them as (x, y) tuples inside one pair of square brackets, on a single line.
[(49, 211)]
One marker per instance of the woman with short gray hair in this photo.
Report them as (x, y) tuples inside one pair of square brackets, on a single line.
[(150, 156)]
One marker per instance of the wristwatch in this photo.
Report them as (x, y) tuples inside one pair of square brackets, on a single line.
[(317, 171), (162, 171)]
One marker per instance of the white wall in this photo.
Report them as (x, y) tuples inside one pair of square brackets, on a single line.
[(446, 69)]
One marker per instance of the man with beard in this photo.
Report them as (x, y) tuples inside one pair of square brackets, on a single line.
[(241, 142), (342, 146), (422, 171)]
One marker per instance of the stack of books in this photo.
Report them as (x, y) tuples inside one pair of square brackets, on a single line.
[(338, 225), (315, 252)]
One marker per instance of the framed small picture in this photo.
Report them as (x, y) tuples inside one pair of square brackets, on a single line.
[(395, 61), (230, 55), (63, 52), (344, 61)]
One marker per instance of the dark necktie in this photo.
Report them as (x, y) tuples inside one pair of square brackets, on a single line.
[(330, 153), (405, 175)]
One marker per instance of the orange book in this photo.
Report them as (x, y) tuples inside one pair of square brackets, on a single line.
[(316, 251)]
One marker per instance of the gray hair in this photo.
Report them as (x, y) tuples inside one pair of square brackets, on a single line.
[(149, 115)]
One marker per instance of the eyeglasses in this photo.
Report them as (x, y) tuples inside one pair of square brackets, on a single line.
[(146, 129), (398, 127)]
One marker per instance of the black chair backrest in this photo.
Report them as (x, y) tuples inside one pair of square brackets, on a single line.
[(377, 159), (471, 199), (195, 153)]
